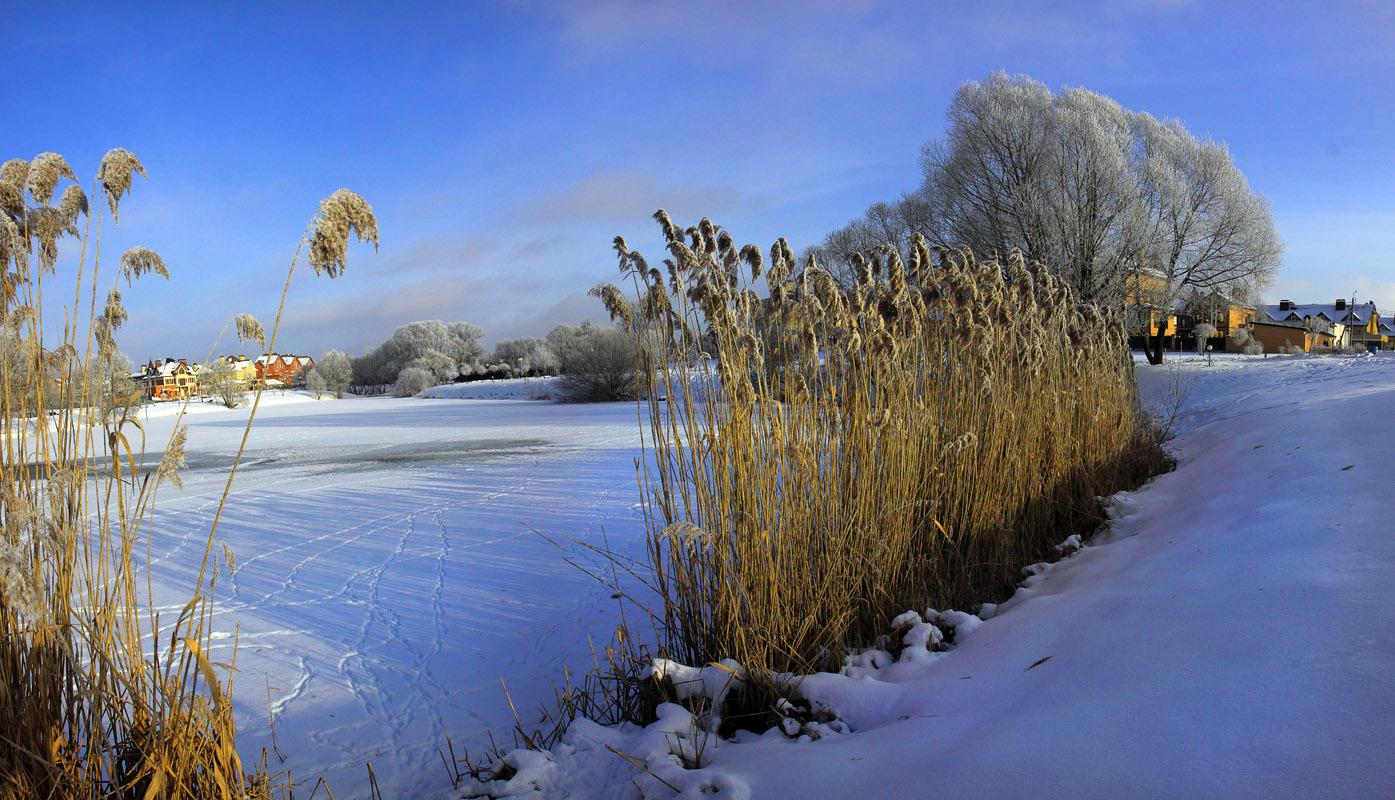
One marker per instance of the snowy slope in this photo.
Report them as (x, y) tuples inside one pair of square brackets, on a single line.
[(1231, 636)]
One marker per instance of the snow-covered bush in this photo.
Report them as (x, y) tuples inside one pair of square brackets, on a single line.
[(413, 380), (1203, 332), (1247, 343)]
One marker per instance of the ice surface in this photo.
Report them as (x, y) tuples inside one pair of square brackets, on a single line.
[(387, 577)]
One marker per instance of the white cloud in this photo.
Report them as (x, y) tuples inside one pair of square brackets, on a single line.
[(630, 195)]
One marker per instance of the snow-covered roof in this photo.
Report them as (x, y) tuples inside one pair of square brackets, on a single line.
[(168, 368), (288, 360), (1357, 314)]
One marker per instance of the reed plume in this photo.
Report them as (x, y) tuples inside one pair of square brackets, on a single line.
[(114, 173), (841, 454), (249, 329), (340, 214), (100, 697), (140, 261)]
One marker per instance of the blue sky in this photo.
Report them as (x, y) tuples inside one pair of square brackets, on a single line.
[(503, 145)]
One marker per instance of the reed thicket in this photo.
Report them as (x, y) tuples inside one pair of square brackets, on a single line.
[(822, 458), (101, 697)]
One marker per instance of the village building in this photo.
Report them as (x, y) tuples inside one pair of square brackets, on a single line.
[(1278, 337), (282, 371), (1356, 325), (171, 379)]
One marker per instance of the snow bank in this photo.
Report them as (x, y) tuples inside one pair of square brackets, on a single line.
[(497, 389)]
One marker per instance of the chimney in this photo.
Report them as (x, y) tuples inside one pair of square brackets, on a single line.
[(1285, 305), (1341, 304)]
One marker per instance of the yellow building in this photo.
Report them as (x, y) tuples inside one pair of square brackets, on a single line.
[(1149, 305)]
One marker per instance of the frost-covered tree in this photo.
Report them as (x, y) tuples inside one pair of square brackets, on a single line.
[(527, 356), (442, 367), (1130, 210), (458, 341), (219, 380), (1197, 224), (412, 381), (316, 383), (111, 384), (1203, 332), (333, 372)]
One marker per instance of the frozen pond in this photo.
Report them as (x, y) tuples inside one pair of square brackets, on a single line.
[(387, 570)]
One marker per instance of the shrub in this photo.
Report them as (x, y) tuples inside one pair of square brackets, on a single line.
[(1248, 345), (413, 381), (1203, 332), (599, 365)]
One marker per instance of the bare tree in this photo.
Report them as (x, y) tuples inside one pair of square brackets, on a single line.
[(598, 364)]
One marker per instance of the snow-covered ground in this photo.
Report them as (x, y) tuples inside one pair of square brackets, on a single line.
[(1230, 635), (386, 576), (542, 388)]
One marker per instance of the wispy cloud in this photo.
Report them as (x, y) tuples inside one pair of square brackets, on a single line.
[(630, 195)]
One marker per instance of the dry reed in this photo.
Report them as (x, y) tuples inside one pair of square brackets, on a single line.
[(102, 697), (823, 457)]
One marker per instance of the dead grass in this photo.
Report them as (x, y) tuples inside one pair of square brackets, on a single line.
[(826, 458), (103, 697)]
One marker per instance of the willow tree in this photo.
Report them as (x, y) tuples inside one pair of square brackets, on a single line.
[(1130, 211)]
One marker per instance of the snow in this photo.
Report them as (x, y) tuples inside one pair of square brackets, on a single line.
[(1229, 635), (388, 575), (544, 388)]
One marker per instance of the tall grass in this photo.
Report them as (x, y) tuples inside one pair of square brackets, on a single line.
[(100, 695), (825, 457)]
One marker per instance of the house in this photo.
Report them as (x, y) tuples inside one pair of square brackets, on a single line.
[(276, 371), (1279, 336), (171, 379), (1221, 311), (1146, 291), (244, 371), (1351, 325)]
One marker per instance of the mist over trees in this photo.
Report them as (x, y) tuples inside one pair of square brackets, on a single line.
[(1130, 210)]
